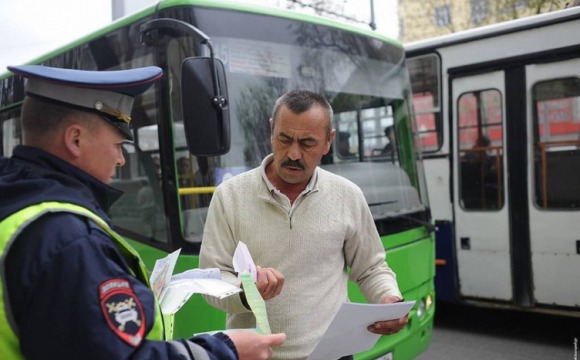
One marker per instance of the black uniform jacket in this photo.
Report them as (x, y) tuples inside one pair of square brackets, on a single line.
[(69, 288)]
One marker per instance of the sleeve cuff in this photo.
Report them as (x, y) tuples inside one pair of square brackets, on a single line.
[(226, 339)]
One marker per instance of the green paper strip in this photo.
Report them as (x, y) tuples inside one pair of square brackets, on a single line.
[(257, 303)]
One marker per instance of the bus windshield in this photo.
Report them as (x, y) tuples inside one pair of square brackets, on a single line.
[(363, 79)]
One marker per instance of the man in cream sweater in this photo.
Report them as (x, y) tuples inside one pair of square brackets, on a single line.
[(303, 227)]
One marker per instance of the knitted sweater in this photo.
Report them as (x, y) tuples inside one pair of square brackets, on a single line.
[(329, 228)]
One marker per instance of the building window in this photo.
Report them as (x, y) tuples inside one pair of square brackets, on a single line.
[(442, 16), (478, 11)]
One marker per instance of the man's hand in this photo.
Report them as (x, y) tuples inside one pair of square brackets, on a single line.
[(269, 283), (391, 326), (254, 346)]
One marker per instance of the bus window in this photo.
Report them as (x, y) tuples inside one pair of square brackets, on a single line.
[(140, 209), (196, 184), (140, 180), (557, 143), (346, 143), (374, 122), (480, 139), (11, 134), (363, 153), (424, 72), (377, 131)]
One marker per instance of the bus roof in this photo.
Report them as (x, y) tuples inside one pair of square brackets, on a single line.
[(241, 5), (492, 30)]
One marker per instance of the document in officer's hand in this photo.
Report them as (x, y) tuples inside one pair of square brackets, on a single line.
[(348, 334), (173, 291)]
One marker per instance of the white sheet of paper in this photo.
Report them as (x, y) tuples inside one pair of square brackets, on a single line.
[(179, 291), (348, 334), (162, 271), (243, 261), (210, 273), (173, 291)]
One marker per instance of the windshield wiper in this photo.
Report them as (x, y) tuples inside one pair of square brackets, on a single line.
[(430, 227), (383, 203)]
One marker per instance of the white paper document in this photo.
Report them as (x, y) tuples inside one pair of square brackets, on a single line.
[(212, 273), (246, 268), (173, 291), (161, 274), (348, 334), (179, 291), (243, 261)]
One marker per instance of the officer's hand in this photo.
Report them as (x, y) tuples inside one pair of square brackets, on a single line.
[(269, 283), (391, 326), (253, 346)]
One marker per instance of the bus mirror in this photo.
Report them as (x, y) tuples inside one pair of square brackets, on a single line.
[(205, 107)]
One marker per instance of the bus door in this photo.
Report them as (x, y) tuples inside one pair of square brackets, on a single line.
[(553, 93), (482, 228)]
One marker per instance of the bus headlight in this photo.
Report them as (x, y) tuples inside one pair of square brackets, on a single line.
[(421, 308), (429, 301)]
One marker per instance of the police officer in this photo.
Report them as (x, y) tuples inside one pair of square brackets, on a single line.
[(71, 288)]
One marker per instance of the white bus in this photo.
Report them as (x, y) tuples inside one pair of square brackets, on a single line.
[(498, 113)]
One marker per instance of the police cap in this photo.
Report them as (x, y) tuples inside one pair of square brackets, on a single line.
[(107, 93)]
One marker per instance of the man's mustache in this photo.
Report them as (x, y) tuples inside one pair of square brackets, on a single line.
[(293, 163)]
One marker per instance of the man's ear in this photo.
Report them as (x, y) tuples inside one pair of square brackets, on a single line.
[(72, 138), (330, 140)]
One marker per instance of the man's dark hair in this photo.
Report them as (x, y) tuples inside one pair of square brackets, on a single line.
[(299, 101), (40, 118)]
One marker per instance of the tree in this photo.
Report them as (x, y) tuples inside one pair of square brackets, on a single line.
[(329, 8)]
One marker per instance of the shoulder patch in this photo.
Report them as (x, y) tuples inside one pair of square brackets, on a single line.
[(122, 310)]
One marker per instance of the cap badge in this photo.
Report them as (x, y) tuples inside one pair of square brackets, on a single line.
[(102, 107)]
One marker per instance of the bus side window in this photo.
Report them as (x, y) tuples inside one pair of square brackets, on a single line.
[(480, 132), (194, 173), (425, 84), (11, 133), (557, 143)]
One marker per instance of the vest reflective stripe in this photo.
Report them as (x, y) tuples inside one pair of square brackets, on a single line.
[(13, 225)]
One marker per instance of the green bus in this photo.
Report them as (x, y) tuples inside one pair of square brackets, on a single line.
[(168, 179)]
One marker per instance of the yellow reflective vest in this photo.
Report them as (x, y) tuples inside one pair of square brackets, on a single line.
[(13, 225)]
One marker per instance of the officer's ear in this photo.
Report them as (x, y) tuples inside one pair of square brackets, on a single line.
[(71, 139)]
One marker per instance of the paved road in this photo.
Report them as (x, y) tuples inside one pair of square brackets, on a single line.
[(477, 334)]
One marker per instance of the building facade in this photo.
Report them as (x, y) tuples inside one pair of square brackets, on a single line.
[(422, 19)]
